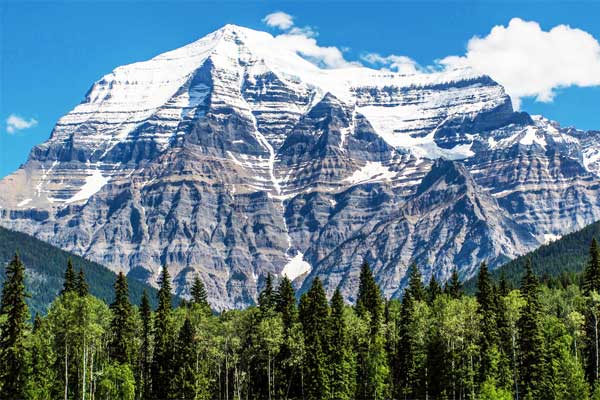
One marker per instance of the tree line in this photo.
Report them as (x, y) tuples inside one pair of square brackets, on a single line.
[(538, 341)]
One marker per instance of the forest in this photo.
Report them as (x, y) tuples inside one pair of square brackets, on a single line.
[(535, 341)]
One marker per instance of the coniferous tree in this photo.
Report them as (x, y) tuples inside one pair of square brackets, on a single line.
[(489, 332), (342, 374), (14, 366), (121, 345), (70, 284), (185, 377), (454, 286), (267, 298), (415, 288), (433, 290), (199, 295), (591, 274), (162, 361), (314, 315), (287, 372), (83, 288), (369, 298), (145, 359), (531, 339)]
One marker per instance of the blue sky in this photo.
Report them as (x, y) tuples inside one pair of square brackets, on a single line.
[(51, 53)]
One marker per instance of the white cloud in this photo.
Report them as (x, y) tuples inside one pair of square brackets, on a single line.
[(401, 64), (529, 61), (302, 40), (15, 123), (279, 20)]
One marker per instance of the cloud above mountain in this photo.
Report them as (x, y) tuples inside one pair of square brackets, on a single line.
[(16, 123), (531, 62), (527, 60)]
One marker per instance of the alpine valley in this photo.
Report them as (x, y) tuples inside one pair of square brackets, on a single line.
[(233, 158)]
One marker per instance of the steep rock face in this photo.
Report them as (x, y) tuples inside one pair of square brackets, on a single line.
[(233, 158)]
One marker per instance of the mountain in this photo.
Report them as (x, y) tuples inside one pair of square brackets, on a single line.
[(566, 255), (45, 267), (235, 158)]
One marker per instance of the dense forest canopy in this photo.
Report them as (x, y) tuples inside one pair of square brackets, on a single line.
[(538, 341)]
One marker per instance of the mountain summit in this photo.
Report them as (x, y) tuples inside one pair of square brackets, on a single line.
[(233, 157)]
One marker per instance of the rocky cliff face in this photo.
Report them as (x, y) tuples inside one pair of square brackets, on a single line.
[(232, 159)]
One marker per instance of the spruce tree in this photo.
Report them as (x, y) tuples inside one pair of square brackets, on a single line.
[(415, 288), (489, 327), (185, 377), (454, 286), (267, 298), (122, 326), (342, 377), (145, 359), (369, 300), (83, 288), (531, 339), (433, 290), (14, 366), (199, 295), (314, 315), (286, 303), (591, 274), (162, 361), (287, 372), (70, 283)]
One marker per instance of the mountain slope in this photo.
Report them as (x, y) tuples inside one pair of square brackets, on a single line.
[(568, 254), (45, 266), (235, 158)]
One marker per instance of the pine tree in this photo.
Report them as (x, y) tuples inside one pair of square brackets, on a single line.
[(83, 288), (342, 377), (162, 361), (122, 326), (369, 300), (70, 284), (145, 359), (489, 327), (454, 286), (531, 339), (314, 315), (287, 372), (185, 377), (591, 274), (433, 290), (286, 303), (14, 366), (199, 295), (503, 286)]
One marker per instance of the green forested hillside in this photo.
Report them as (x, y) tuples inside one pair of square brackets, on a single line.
[(45, 266), (562, 259)]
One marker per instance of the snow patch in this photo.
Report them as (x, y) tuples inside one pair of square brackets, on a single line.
[(296, 267), (372, 171), (93, 184), (24, 202), (550, 237)]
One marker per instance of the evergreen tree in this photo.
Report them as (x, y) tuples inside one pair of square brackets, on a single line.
[(489, 332), (415, 288), (591, 274), (14, 366), (83, 288), (433, 290), (162, 361), (454, 286), (342, 376), (286, 303), (121, 346), (314, 315), (503, 286), (185, 377), (267, 299), (287, 372), (531, 339), (369, 298), (199, 295), (70, 284), (145, 359)]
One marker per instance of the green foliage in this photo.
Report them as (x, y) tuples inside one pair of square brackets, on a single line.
[(45, 268), (116, 382)]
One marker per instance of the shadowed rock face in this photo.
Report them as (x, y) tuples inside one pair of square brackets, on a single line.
[(228, 159)]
